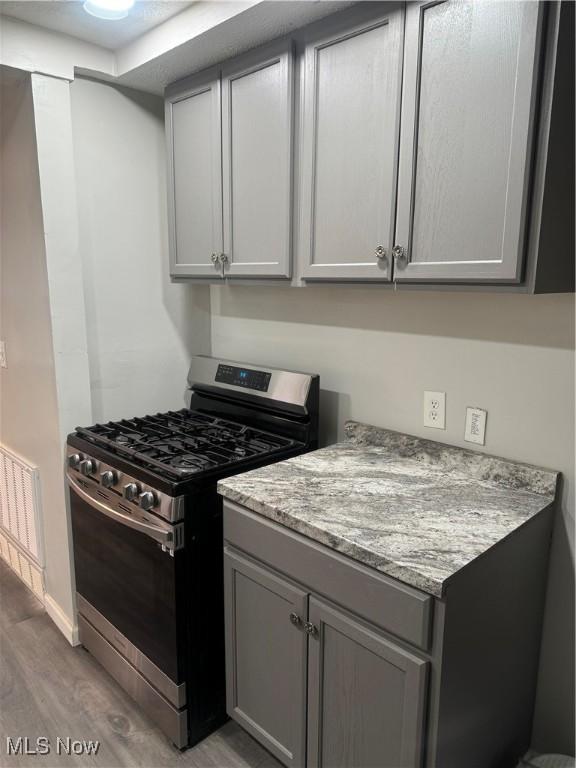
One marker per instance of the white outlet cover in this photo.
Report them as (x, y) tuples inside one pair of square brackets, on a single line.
[(475, 431), (3, 361), (435, 410)]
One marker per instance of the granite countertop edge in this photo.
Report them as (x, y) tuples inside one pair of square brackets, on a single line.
[(343, 546), (517, 484)]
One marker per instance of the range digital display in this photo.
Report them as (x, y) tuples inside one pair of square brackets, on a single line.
[(243, 377)]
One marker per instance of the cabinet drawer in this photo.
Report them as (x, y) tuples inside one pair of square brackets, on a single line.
[(396, 608)]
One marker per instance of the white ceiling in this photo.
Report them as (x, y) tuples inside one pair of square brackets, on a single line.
[(261, 23), (70, 18), (203, 34)]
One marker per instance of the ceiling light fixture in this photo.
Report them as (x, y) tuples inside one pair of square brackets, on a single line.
[(108, 9)]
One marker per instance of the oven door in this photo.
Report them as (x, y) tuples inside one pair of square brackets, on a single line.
[(130, 578)]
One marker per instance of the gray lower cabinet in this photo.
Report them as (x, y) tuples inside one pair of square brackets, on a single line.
[(297, 663), (266, 656), (365, 695), (332, 664), (468, 112), (351, 106)]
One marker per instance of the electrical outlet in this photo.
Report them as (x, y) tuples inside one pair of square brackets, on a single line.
[(3, 362), (435, 410), (475, 431)]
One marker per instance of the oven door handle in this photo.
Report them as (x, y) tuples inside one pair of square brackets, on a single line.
[(170, 538)]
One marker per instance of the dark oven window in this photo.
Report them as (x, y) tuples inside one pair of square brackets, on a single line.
[(127, 577)]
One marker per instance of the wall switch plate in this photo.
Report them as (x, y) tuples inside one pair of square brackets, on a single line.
[(435, 410), (475, 431), (3, 362)]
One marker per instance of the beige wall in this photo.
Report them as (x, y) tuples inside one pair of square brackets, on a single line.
[(376, 353), (28, 401), (141, 328)]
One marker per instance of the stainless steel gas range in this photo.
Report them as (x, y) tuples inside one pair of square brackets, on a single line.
[(147, 531)]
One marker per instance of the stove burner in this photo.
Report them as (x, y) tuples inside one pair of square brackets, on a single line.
[(190, 462), (167, 446), (125, 438), (218, 434), (182, 443)]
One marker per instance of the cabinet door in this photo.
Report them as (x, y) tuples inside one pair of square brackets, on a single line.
[(257, 107), (470, 71), (365, 696), (266, 657), (351, 91), (193, 126)]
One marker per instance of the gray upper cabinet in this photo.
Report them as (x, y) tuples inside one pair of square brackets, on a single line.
[(193, 127), (266, 656), (468, 105), (257, 126), (350, 120), (425, 143), (365, 696), (230, 137)]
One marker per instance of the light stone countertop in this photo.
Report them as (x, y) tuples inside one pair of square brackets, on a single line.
[(414, 509)]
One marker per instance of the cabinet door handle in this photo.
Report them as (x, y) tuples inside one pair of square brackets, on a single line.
[(400, 256), (215, 258), (381, 253), (295, 619), (311, 629)]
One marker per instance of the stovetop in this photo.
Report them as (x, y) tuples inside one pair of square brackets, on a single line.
[(184, 444)]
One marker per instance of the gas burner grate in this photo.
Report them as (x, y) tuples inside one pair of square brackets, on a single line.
[(184, 443), (191, 462)]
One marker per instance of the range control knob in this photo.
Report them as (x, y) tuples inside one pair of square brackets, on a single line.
[(131, 490), (109, 478), (88, 467), (74, 460), (148, 500)]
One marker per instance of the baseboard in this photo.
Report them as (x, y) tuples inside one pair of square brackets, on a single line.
[(69, 629)]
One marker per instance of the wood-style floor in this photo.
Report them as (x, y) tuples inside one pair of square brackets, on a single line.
[(48, 688)]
